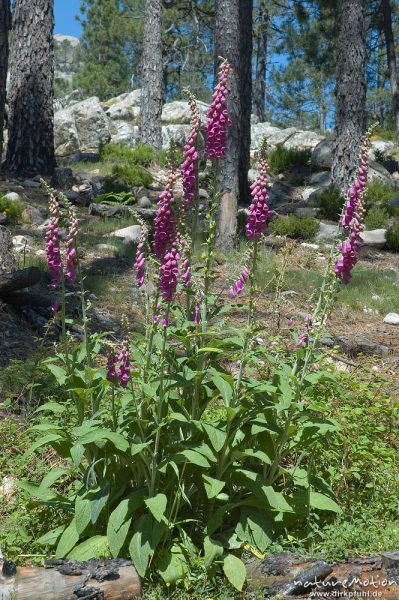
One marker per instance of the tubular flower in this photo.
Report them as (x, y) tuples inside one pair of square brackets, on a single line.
[(169, 272), (238, 286), (197, 316), (218, 118), (352, 220), (71, 246), (111, 366), (124, 365), (185, 268), (139, 264), (305, 335), (164, 223), (53, 252), (189, 166), (259, 209)]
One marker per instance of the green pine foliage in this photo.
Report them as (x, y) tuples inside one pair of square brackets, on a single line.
[(283, 160), (295, 227), (330, 204), (392, 238)]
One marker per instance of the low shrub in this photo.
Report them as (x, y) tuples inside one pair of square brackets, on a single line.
[(133, 175), (330, 203), (282, 160), (376, 217), (378, 193), (381, 133), (295, 227), (121, 153), (124, 198), (113, 184), (392, 238), (12, 209)]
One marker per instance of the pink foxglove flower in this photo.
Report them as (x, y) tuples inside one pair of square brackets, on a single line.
[(197, 316), (238, 286), (164, 224), (169, 273), (139, 264), (71, 246), (111, 366), (352, 220), (304, 337), (258, 210), (190, 163), (218, 118), (185, 268), (124, 365), (53, 252)]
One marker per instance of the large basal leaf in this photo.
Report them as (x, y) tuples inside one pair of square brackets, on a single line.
[(100, 435), (224, 387), (212, 549), (255, 527), (213, 487), (191, 456), (216, 435), (68, 540), (140, 547), (265, 493), (120, 520), (94, 547), (235, 571), (322, 502), (82, 512), (51, 537), (172, 565), (157, 506)]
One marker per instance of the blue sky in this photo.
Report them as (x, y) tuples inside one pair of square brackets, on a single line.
[(65, 12)]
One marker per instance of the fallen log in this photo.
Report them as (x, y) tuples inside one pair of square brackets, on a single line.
[(112, 210), (19, 280), (30, 299), (51, 584)]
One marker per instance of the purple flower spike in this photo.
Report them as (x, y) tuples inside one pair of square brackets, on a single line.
[(111, 366), (305, 335), (164, 224), (352, 220), (189, 166), (53, 252), (197, 317), (258, 210), (169, 273), (71, 246), (238, 286), (139, 265), (218, 118), (124, 365)]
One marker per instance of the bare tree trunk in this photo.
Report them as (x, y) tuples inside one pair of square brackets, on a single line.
[(227, 45), (391, 58), (350, 90), (261, 62), (246, 26), (150, 131), (5, 21), (31, 139)]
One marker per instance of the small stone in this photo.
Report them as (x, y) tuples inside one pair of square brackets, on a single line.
[(203, 194), (327, 232), (374, 238), (13, 196), (129, 234), (311, 246), (144, 202), (30, 183), (392, 319)]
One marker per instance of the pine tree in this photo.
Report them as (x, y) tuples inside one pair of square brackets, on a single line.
[(105, 70), (31, 141), (350, 90), (391, 59), (246, 26), (4, 29), (152, 81), (261, 35)]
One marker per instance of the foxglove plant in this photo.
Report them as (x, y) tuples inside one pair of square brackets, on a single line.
[(169, 273), (139, 264), (124, 365), (71, 245), (189, 168), (218, 117), (164, 224), (53, 251)]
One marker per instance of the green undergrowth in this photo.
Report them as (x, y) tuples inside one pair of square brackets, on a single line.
[(283, 160), (12, 209)]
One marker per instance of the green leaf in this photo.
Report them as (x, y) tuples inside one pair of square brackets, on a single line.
[(225, 389), (43, 441), (82, 512), (94, 547), (212, 549), (213, 487), (137, 448), (322, 502), (120, 520), (191, 456), (49, 479), (157, 506), (58, 372), (172, 565), (100, 499), (255, 527), (98, 435), (211, 350), (235, 571), (216, 435), (55, 407), (51, 537), (77, 451), (140, 547), (68, 540), (259, 454)]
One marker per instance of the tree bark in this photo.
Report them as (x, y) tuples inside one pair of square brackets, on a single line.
[(150, 131), (31, 138), (246, 26), (350, 90), (5, 22), (261, 62), (227, 45), (391, 59)]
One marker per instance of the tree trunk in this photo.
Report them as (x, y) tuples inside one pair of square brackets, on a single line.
[(261, 62), (350, 90), (227, 45), (31, 139), (391, 59), (4, 29), (150, 131), (246, 25)]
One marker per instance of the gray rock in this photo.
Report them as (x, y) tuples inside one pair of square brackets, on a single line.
[(394, 202), (322, 155), (306, 212), (307, 193), (8, 261), (108, 248), (82, 128), (374, 238), (392, 319), (179, 111), (203, 194), (29, 183), (129, 234), (144, 202), (13, 196), (252, 175), (33, 215), (327, 232), (178, 133), (63, 178), (320, 178), (124, 132), (384, 146), (377, 171)]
